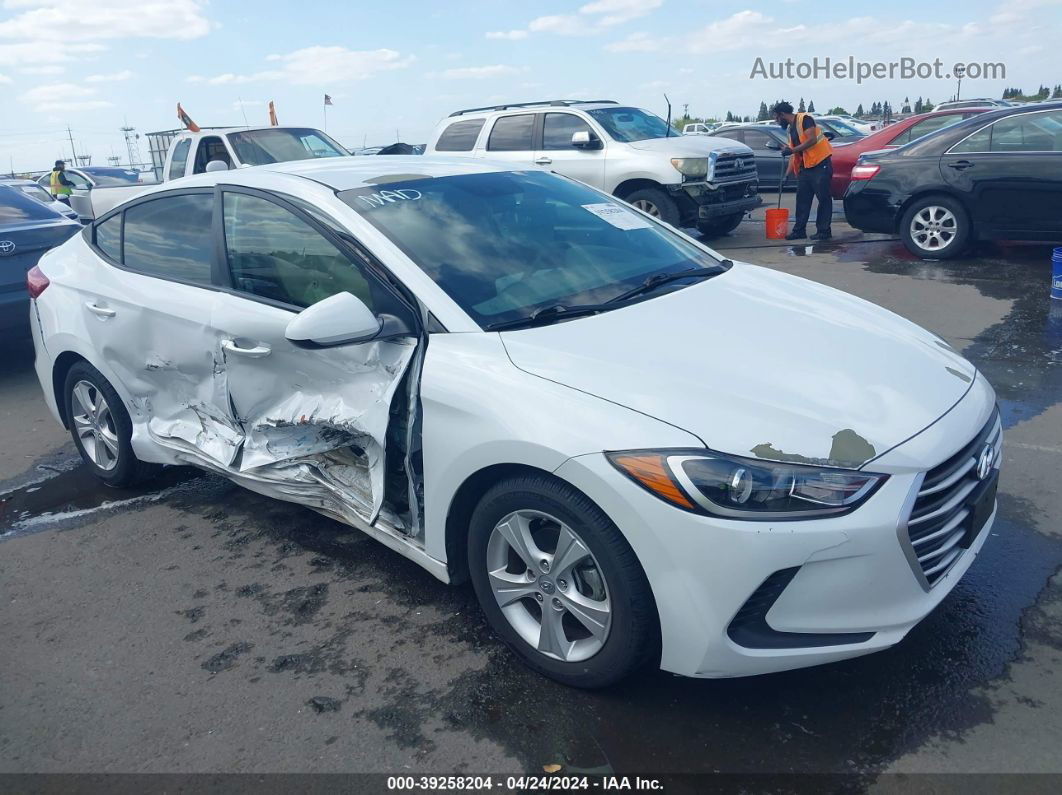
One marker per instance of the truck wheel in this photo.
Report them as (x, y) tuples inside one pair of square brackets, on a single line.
[(656, 203), (101, 428), (720, 226), (559, 583), (935, 227)]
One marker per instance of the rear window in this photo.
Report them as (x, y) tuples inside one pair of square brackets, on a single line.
[(112, 177), (16, 207), (512, 134), (460, 136)]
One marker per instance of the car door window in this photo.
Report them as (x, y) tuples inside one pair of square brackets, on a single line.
[(274, 254), (758, 141), (733, 135), (512, 134), (80, 182), (170, 237), (558, 128), (460, 136), (109, 237), (1027, 132), (180, 157), (980, 141)]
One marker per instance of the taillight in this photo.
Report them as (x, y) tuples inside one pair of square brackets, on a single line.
[(865, 171), (36, 281)]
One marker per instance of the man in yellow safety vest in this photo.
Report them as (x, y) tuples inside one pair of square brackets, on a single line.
[(812, 162), (60, 184)]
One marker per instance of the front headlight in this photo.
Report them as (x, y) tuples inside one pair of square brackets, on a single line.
[(746, 488), (691, 166)]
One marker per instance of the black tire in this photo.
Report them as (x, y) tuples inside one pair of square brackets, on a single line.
[(633, 635), (657, 203), (720, 226), (128, 470), (959, 238)]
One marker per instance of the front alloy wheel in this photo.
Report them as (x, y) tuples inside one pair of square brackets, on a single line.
[(548, 585)]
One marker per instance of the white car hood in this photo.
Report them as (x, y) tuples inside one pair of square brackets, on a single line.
[(759, 363), (690, 145)]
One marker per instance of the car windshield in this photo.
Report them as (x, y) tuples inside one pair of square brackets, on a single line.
[(504, 245), (35, 191), (16, 207), (630, 124), (112, 177), (282, 144)]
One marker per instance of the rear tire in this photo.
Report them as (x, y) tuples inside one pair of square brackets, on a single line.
[(720, 226), (935, 227), (573, 601), (101, 428), (656, 203)]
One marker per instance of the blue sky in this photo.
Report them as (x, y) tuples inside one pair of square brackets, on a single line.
[(96, 64)]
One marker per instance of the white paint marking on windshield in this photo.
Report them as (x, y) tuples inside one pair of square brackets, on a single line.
[(380, 198)]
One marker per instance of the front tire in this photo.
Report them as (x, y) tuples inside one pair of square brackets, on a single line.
[(559, 583), (935, 227), (101, 428), (657, 203), (720, 226)]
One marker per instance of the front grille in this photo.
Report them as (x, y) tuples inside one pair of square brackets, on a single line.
[(734, 167), (938, 529)]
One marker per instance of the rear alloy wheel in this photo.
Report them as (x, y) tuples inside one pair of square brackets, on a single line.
[(101, 429), (655, 202), (935, 227), (559, 583)]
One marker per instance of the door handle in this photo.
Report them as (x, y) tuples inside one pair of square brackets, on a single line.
[(257, 352), (543, 161), (959, 165), (101, 312)]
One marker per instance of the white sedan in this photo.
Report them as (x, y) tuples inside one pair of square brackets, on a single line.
[(638, 451)]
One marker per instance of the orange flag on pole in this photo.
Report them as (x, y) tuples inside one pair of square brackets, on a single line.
[(272, 114), (186, 120)]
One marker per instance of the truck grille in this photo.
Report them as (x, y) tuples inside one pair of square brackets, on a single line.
[(735, 167), (940, 525)]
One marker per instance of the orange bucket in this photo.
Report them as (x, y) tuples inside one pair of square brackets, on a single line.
[(777, 223)]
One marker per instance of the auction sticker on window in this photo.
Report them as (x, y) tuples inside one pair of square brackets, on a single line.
[(619, 217)]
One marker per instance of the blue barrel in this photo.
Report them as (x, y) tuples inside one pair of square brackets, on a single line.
[(1056, 274)]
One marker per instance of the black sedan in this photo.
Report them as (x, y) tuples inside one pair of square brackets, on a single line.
[(27, 229), (766, 142), (997, 175)]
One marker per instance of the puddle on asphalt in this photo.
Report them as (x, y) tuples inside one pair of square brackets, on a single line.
[(76, 493)]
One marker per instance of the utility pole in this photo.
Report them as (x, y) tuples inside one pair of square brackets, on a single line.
[(960, 70), (73, 151), (130, 146)]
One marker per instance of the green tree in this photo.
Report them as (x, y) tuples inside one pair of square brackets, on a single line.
[(729, 116), (838, 111), (811, 106), (906, 105), (763, 113), (859, 110), (1057, 92), (800, 107), (927, 105)]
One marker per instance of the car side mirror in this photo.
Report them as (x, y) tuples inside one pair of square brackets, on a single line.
[(340, 319), (773, 144), (584, 139), (829, 135)]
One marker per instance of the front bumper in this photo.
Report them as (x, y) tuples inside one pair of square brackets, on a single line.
[(849, 586), (699, 202)]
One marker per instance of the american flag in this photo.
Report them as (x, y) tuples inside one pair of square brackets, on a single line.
[(328, 100)]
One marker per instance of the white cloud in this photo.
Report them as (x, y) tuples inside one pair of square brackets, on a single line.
[(4, 79), (479, 72), (322, 66), (63, 97), (636, 42), (49, 69), (28, 53), (74, 20), (561, 24), (616, 12), (114, 77), (508, 35)]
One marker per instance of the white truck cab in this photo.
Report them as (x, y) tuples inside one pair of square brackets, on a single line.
[(182, 153), (685, 180)]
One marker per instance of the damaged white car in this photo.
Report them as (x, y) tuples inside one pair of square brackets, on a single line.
[(635, 449)]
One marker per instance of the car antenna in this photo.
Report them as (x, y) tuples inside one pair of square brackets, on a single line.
[(668, 101)]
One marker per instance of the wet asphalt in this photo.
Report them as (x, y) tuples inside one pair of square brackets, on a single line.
[(192, 626)]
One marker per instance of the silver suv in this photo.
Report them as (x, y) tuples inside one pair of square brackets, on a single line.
[(691, 180)]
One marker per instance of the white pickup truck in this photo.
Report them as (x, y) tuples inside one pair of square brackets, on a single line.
[(181, 153)]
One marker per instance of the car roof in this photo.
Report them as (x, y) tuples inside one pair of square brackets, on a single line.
[(531, 107), (347, 173)]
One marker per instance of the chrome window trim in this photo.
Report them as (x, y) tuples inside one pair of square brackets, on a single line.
[(950, 151)]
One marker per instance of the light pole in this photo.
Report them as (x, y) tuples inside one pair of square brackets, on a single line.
[(960, 70)]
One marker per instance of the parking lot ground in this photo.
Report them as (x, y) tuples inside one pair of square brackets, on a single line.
[(194, 626)]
